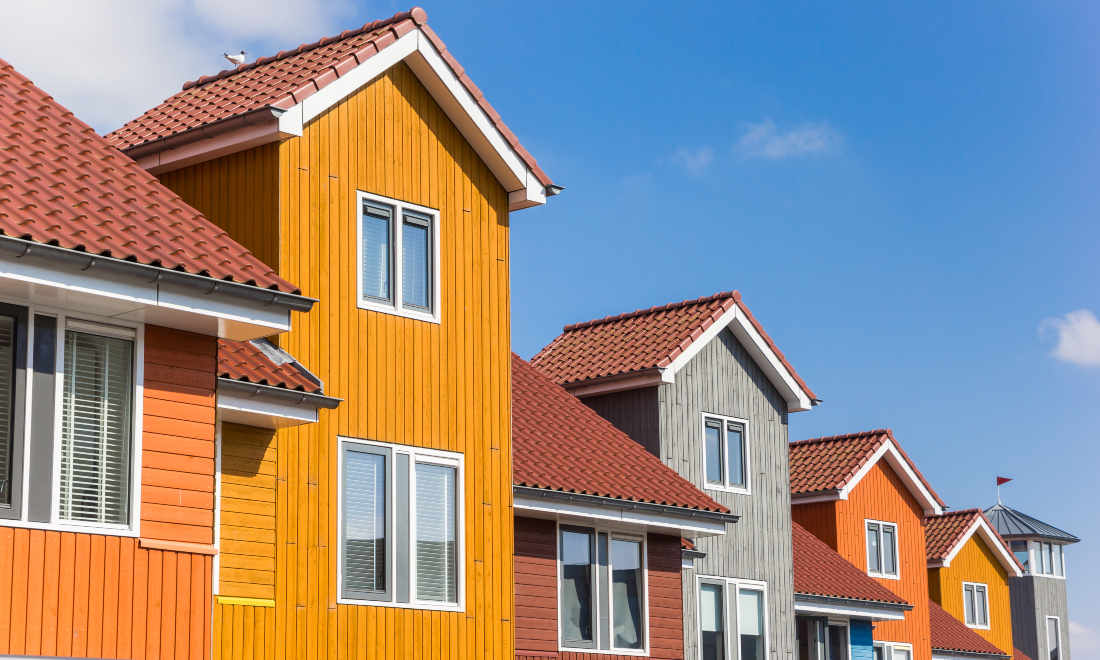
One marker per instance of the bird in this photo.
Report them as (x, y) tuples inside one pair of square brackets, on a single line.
[(237, 60)]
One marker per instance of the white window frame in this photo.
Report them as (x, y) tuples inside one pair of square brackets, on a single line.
[(897, 550), (1046, 634), (985, 591), (746, 457), (416, 455), (816, 621), (396, 308), (97, 325), (1036, 549), (733, 642), (613, 533), (888, 649)]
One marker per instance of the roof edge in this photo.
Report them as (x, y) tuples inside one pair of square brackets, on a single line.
[(857, 602), (618, 503), (279, 395), (968, 654), (204, 132)]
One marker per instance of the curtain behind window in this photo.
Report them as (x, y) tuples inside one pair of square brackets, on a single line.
[(436, 566), (626, 594), (751, 622), (365, 522), (7, 403), (96, 429)]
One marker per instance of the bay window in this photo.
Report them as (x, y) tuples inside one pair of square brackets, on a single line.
[(401, 526), (882, 549), (602, 590), (1049, 559), (398, 254), (732, 619), (725, 453)]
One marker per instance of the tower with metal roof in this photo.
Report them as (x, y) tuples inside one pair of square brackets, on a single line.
[(1040, 615)]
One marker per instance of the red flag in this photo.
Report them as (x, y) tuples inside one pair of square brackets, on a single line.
[(1002, 480)]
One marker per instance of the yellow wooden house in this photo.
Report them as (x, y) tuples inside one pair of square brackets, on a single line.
[(368, 168), (968, 569)]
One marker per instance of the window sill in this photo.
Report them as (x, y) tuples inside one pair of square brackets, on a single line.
[(728, 489), (977, 627), (883, 576), (618, 652), (383, 308), (75, 528), (402, 606)]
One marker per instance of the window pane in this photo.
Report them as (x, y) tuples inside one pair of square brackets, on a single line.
[(7, 404), (900, 653), (576, 577), (626, 594), (712, 618), (415, 270), (838, 642), (982, 604), (889, 550), (872, 548), (376, 252), (751, 622), (735, 450), (712, 445), (1056, 553), (804, 636), (968, 604), (1053, 641), (1019, 548), (96, 428), (365, 522), (880, 652), (436, 560), (1047, 568)]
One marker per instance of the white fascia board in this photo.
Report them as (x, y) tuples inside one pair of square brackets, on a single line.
[(130, 299), (746, 333), (827, 496), (901, 466), (216, 147), (233, 407), (1004, 556), (860, 612), (604, 387), (657, 523)]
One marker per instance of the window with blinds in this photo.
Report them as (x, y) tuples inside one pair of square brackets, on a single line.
[(398, 273), (96, 429), (7, 406), (401, 530)]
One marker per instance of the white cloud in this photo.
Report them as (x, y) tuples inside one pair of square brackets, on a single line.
[(1078, 337), (694, 160), (765, 140), (1084, 640), (110, 61)]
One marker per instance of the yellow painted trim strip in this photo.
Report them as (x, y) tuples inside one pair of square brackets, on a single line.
[(254, 602)]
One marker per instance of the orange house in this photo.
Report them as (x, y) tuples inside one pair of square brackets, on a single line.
[(968, 569), (862, 495)]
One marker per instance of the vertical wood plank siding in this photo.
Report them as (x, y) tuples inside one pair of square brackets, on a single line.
[(246, 565), (178, 443), (723, 379), (1033, 600), (244, 632), (636, 413), (536, 590), (85, 595), (881, 495), (976, 562)]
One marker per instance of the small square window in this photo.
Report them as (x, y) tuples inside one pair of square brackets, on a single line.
[(398, 252)]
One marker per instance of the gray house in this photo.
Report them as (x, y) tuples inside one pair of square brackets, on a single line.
[(1040, 615), (701, 386)]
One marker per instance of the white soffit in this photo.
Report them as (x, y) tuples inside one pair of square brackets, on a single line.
[(253, 411), (868, 611), (579, 513), (524, 188), (1004, 556), (893, 457)]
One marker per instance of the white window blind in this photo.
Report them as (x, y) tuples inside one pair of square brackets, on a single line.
[(7, 403), (414, 265), (376, 251), (365, 520), (96, 429), (436, 569)]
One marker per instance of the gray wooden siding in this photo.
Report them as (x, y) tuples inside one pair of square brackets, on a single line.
[(723, 379), (1033, 600), (634, 412)]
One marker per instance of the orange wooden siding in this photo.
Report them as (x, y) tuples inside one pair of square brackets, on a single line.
[(976, 562), (244, 632), (246, 565), (178, 444), (85, 595), (881, 495)]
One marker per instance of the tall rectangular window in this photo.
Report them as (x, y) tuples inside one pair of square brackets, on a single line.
[(976, 605), (577, 586), (1054, 638), (627, 593), (737, 606), (96, 429), (398, 255), (601, 590), (401, 531), (1019, 548), (882, 549), (7, 406), (1048, 567), (1056, 554), (725, 454), (750, 605), (712, 621)]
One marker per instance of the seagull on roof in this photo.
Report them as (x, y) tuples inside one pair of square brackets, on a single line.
[(237, 60)]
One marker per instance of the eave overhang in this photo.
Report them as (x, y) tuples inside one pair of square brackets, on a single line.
[(269, 407), (986, 533), (851, 607)]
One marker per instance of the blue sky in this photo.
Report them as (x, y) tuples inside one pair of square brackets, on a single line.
[(903, 193)]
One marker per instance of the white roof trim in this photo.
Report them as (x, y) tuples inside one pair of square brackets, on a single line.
[(901, 466), (582, 513), (1004, 555), (870, 611), (254, 411), (416, 50)]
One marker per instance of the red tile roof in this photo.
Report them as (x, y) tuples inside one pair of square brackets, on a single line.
[(64, 185), (820, 571), (686, 545), (560, 444), (245, 361), (829, 463), (645, 339), (950, 634), (944, 532), (287, 78), (1017, 654)]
